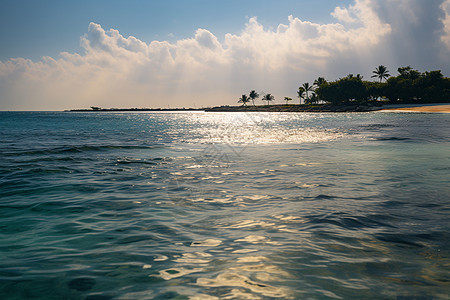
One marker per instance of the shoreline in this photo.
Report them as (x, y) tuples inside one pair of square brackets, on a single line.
[(132, 109), (424, 108), (323, 108), (297, 108), (259, 108)]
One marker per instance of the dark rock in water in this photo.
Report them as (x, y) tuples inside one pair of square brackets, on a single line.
[(82, 284)]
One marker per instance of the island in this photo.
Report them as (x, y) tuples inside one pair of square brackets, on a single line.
[(348, 94)]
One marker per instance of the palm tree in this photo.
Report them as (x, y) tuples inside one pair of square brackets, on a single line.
[(319, 81), (244, 99), (268, 98), (253, 95), (287, 99), (300, 93), (307, 88), (381, 72)]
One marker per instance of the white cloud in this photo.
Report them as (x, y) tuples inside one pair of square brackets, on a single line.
[(115, 71), (446, 22), (343, 14)]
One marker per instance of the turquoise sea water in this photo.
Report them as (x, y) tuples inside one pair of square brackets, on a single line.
[(224, 205)]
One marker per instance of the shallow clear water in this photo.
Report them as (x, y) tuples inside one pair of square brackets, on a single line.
[(224, 205)]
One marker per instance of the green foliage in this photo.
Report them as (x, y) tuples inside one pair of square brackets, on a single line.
[(374, 90), (253, 95), (381, 72), (300, 93), (268, 98), (410, 86), (344, 90), (408, 73), (307, 88), (287, 99), (319, 81), (244, 100)]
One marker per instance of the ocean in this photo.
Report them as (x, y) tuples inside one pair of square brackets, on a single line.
[(199, 205)]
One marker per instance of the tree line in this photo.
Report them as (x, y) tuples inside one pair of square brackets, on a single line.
[(253, 95), (409, 86)]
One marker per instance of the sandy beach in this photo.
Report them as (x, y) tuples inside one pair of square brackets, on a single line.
[(429, 108)]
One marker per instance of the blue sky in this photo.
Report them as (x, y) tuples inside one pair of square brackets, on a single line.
[(72, 54), (31, 28)]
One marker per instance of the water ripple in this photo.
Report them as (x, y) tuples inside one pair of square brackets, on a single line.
[(224, 206)]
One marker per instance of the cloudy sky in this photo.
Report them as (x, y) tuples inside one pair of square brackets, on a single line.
[(58, 55)]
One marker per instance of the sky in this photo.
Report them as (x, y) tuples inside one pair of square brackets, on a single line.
[(58, 54)]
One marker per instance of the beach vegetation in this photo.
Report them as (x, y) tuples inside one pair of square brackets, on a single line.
[(409, 86), (268, 98), (253, 95), (244, 100), (381, 72), (300, 94), (319, 81), (287, 99), (412, 86), (307, 88), (408, 73), (344, 90)]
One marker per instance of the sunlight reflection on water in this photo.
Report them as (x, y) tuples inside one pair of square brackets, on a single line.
[(224, 206), (258, 128)]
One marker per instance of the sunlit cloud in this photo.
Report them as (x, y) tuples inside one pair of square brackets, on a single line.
[(343, 15), (118, 71), (446, 22)]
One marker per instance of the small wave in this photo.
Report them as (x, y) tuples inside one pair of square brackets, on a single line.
[(77, 149), (402, 241), (177, 272), (392, 138), (350, 222), (58, 207), (377, 126), (135, 239), (206, 243), (324, 197), (234, 279), (413, 240), (42, 171), (129, 161)]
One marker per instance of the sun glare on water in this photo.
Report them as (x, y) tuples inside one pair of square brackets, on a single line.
[(258, 128)]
